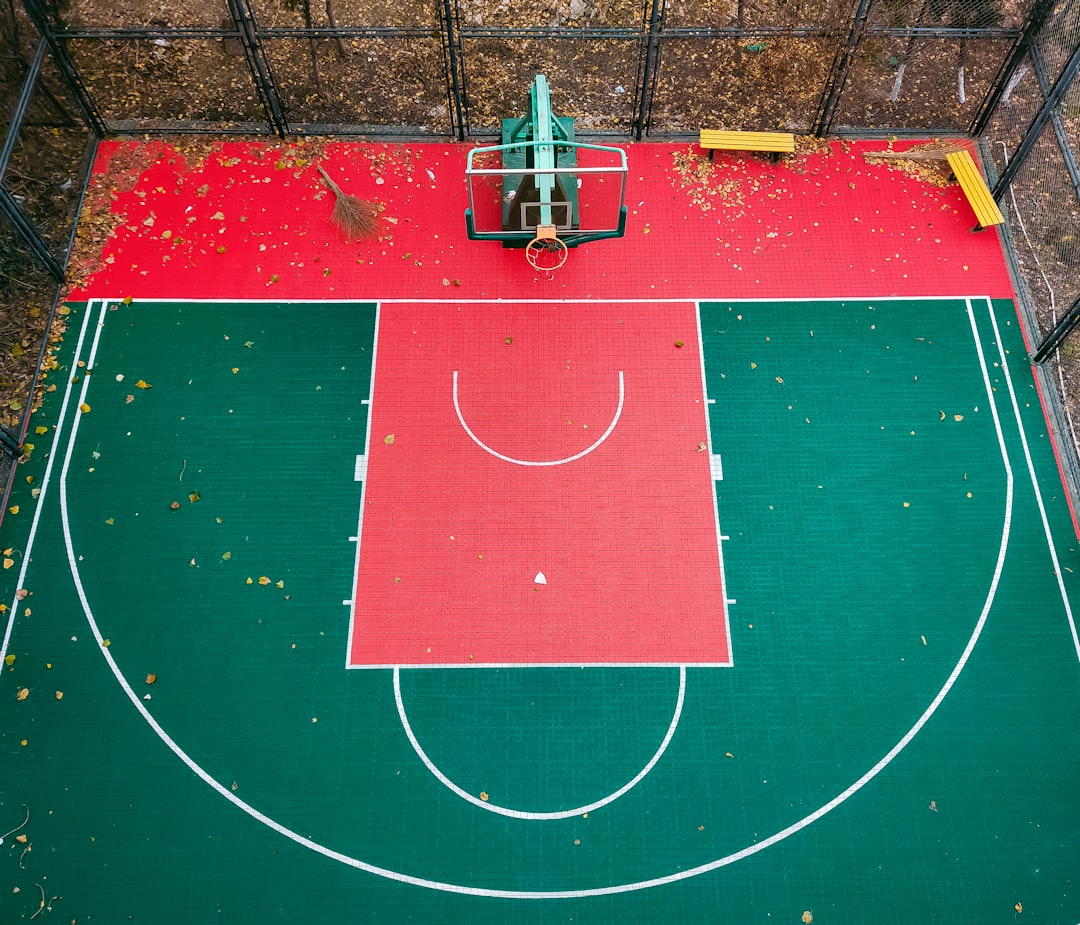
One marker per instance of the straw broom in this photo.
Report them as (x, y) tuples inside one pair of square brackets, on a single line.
[(356, 218)]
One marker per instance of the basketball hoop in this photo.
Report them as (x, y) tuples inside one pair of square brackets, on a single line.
[(546, 252)]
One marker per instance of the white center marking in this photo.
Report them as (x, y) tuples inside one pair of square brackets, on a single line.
[(547, 462)]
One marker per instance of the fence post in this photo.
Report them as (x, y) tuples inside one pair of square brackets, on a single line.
[(1052, 101), (9, 445), (17, 116), (1036, 18), (26, 230), (263, 77), (453, 63), (1038, 66), (1065, 325), (643, 116), (66, 67), (838, 76)]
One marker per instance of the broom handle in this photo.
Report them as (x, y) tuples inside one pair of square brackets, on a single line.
[(329, 182)]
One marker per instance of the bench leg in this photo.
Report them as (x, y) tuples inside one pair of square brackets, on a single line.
[(978, 227), (711, 152)]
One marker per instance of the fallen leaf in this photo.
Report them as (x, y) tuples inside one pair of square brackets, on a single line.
[(1019, 907), (59, 695), (84, 407), (958, 417), (23, 693), (8, 563), (9, 660), (21, 839), (226, 556), (701, 447), (174, 506), (508, 340), (933, 806), (193, 496), (41, 431), (941, 415), (678, 343), (279, 584), (143, 384), (151, 678), (263, 580), (808, 917), (21, 594), (388, 439), (485, 796)]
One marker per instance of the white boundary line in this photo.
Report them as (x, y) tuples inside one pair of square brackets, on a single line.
[(858, 299), (351, 602), (443, 886), (550, 462), (472, 665), (1034, 481), (13, 608), (712, 486), (523, 814)]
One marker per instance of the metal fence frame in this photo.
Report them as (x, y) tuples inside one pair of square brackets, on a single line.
[(651, 34), (648, 37)]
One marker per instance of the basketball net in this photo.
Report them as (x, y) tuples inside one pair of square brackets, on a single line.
[(546, 252)]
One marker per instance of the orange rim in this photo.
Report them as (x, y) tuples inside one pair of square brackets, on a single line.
[(546, 254)]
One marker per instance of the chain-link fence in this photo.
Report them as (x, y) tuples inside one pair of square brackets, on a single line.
[(1033, 141), (73, 71), (455, 67)]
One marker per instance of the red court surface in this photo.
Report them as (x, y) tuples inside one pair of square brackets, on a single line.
[(538, 490), (251, 220)]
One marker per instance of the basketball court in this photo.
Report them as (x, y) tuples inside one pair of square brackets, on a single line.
[(724, 573)]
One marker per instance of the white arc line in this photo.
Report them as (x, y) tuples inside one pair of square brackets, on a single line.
[(612, 889), (523, 814), (547, 462)]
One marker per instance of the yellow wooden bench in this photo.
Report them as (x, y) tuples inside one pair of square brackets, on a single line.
[(773, 143), (975, 189)]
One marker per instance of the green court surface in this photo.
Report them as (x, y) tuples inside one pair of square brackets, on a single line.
[(894, 742)]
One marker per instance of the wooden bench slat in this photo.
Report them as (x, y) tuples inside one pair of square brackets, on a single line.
[(748, 141), (975, 189)]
